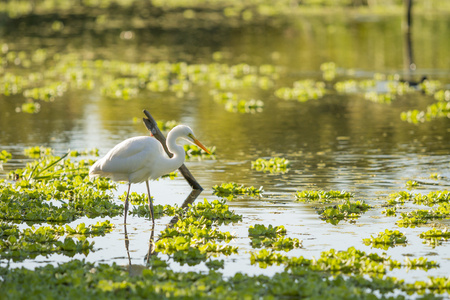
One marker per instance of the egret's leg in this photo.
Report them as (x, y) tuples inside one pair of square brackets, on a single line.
[(126, 205), (150, 202)]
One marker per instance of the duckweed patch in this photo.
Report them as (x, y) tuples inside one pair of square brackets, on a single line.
[(272, 165), (244, 106), (272, 237), (37, 151), (140, 206), (195, 151), (232, 189), (5, 155), (28, 243), (135, 198), (385, 89), (233, 103), (55, 189), (260, 230), (79, 278), (302, 90), (216, 210), (321, 196), (167, 126), (350, 261), (435, 237), (346, 211), (127, 81), (437, 199), (386, 239), (390, 212), (193, 238), (422, 216)]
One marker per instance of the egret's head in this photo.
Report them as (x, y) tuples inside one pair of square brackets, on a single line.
[(187, 133)]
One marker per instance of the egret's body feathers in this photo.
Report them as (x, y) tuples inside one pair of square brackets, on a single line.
[(134, 160)]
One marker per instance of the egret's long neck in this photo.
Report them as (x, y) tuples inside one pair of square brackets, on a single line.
[(178, 151)]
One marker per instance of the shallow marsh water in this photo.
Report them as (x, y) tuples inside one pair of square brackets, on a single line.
[(338, 142)]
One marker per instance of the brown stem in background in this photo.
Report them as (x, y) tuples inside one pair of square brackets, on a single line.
[(152, 126)]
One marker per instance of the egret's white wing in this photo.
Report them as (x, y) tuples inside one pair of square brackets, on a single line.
[(130, 160)]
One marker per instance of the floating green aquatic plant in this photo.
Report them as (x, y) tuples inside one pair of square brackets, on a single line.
[(390, 212), (412, 184), (159, 210), (431, 199), (322, 196), (5, 155), (420, 263), (259, 230), (215, 264), (140, 206), (352, 86), (379, 97), (434, 237), (89, 280), (433, 111), (76, 153), (135, 198), (30, 242), (386, 239), (30, 107), (168, 125), (193, 238), (273, 165), (346, 262), (195, 151), (201, 229), (42, 183), (232, 189), (191, 251), (244, 106), (435, 233), (279, 244), (122, 88), (272, 237), (47, 93), (37, 151), (98, 229), (442, 95), (216, 210), (422, 216), (346, 211), (435, 285), (302, 90), (328, 70), (430, 87), (266, 258)]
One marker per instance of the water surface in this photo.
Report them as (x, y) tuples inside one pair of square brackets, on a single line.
[(339, 142)]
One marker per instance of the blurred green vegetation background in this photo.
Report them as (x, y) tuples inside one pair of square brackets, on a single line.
[(174, 13)]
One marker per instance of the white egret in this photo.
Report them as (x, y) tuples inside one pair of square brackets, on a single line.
[(143, 158)]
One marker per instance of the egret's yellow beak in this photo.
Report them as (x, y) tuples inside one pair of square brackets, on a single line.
[(197, 142)]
